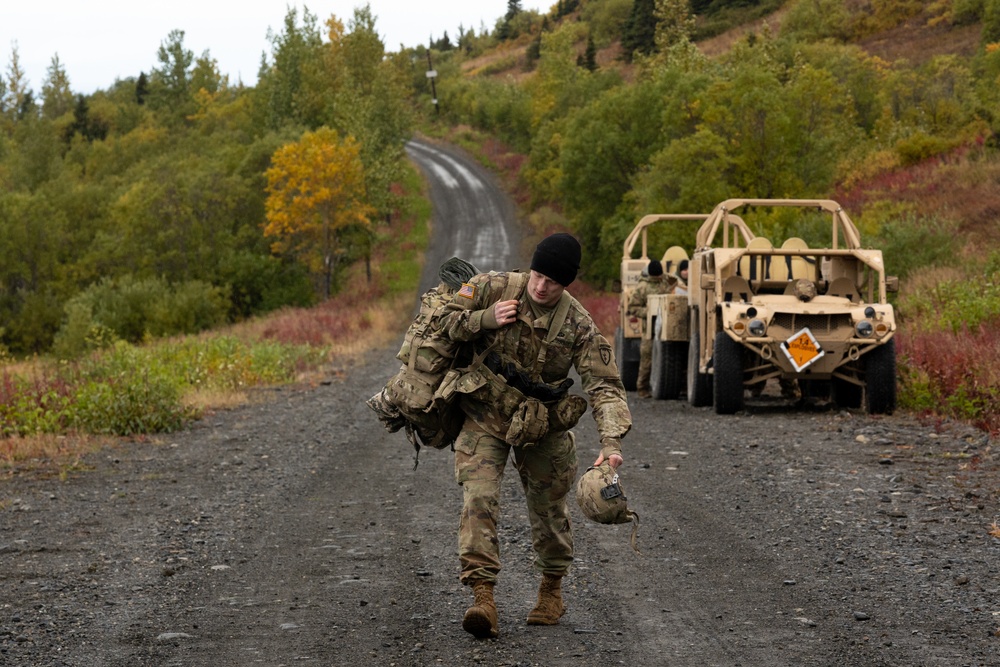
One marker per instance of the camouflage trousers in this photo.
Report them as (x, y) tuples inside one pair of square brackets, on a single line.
[(547, 470), (645, 365)]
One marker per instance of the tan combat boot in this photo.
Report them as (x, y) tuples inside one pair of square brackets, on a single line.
[(481, 618), (550, 605)]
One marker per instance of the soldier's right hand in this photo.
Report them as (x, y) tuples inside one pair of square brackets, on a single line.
[(505, 312)]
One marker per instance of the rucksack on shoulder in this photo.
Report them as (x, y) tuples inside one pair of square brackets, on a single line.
[(427, 357)]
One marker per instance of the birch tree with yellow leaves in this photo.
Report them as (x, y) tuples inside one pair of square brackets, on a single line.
[(316, 191)]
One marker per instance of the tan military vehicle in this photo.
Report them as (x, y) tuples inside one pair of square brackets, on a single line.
[(815, 316), (631, 330)]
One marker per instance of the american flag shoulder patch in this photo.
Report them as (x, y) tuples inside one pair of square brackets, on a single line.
[(468, 291)]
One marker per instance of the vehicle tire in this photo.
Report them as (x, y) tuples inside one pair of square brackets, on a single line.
[(880, 379), (727, 360), (699, 385), (669, 372), (627, 355), (675, 369), (658, 371), (847, 394)]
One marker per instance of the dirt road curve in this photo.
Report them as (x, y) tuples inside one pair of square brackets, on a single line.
[(295, 532)]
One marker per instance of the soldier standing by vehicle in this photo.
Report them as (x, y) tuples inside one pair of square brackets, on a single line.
[(682, 278), (514, 395), (654, 282)]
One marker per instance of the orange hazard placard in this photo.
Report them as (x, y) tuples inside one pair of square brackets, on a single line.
[(802, 349)]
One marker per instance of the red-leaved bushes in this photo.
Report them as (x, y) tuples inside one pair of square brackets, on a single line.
[(341, 318), (952, 374)]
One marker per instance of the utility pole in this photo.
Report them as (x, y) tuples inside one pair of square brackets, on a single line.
[(431, 74)]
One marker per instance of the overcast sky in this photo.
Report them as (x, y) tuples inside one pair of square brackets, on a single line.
[(99, 41)]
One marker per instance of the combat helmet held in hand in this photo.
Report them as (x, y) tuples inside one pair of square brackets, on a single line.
[(600, 495)]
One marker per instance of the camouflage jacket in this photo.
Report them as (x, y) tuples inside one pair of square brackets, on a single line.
[(647, 286), (578, 344)]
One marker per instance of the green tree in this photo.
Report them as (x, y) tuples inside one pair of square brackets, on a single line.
[(170, 83), (18, 95), (690, 175), (368, 102), (33, 255), (604, 145), (282, 92), (57, 98), (674, 23)]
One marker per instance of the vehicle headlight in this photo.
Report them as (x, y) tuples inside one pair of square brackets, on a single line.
[(881, 329), (757, 328), (739, 327), (864, 329)]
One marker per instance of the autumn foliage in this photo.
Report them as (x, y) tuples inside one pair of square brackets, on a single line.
[(316, 189)]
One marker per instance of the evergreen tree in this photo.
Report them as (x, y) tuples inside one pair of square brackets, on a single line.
[(505, 31), (141, 89), (513, 9), (534, 50), (590, 55), (640, 29)]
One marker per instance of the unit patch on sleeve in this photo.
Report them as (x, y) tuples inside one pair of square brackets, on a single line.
[(468, 291)]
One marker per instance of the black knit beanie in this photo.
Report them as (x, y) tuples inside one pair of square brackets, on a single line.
[(557, 257), (655, 268)]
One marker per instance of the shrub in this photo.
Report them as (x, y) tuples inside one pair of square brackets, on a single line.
[(32, 406), (955, 306), (965, 12), (129, 404), (911, 242), (919, 146), (131, 309)]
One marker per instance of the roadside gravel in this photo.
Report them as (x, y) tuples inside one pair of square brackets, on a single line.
[(296, 531)]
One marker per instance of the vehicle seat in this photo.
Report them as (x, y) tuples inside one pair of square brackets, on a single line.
[(844, 288), (736, 288), (672, 259), (756, 268), (799, 267)]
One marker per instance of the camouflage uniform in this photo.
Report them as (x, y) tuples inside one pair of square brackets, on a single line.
[(648, 285), (547, 467)]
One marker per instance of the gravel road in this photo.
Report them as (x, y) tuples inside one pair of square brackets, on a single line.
[(295, 531)]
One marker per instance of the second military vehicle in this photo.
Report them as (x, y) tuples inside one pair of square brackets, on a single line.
[(816, 317)]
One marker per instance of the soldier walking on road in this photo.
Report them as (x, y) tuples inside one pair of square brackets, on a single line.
[(527, 333), (655, 282)]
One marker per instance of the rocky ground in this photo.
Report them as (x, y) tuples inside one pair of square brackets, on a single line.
[(296, 531)]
